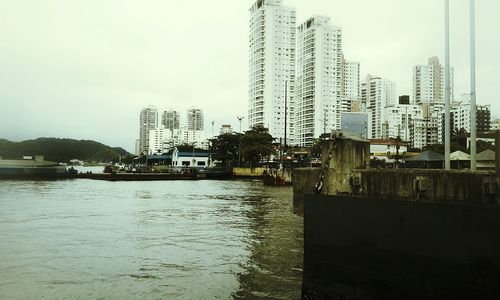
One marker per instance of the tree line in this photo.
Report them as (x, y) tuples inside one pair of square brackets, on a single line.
[(63, 150)]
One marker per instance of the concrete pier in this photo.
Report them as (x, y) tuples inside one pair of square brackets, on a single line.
[(397, 233), (497, 152)]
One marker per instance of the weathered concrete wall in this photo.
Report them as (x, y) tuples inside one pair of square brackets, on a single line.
[(391, 249), (248, 172), (497, 152), (304, 180), (348, 154), (427, 185)]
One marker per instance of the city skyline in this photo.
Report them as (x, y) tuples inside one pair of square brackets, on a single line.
[(84, 70)]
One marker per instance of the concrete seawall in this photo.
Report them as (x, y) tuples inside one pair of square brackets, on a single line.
[(397, 233), (387, 249), (426, 185), (304, 181)]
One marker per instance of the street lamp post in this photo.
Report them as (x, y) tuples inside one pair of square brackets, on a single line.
[(473, 109), (239, 146), (447, 121)]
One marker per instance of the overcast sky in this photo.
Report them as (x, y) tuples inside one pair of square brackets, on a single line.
[(84, 69)]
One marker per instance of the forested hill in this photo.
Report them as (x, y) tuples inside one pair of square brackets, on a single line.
[(62, 150)]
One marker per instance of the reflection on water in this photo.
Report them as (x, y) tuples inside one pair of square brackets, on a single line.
[(165, 239)]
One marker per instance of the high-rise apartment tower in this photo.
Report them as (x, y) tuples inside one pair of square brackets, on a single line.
[(271, 65), (318, 90), (148, 120), (195, 119), (350, 86), (428, 82), (170, 119), (376, 94)]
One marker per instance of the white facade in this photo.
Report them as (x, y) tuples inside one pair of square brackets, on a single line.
[(350, 87), (377, 94), (421, 125), (425, 132), (189, 159), (148, 120), (399, 119), (318, 79), (461, 116), (427, 129), (163, 139), (429, 82), (159, 140), (271, 63), (196, 137)]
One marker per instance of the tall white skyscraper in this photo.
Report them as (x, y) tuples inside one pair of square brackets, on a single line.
[(428, 82), (148, 120), (376, 94), (318, 90), (170, 119), (195, 119), (350, 86), (271, 64)]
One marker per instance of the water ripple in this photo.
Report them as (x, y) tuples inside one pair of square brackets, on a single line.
[(148, 240)]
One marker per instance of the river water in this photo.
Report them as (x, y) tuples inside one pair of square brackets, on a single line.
[(204, 239)]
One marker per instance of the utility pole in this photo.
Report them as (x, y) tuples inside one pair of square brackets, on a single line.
[(193, 157), (239, 146), (406, 125), (473, 110), (398, 139), (447, 86)]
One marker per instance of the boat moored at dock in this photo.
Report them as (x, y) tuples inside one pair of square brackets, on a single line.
[(30, 167)]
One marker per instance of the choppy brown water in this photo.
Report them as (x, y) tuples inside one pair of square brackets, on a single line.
[(151, 240)]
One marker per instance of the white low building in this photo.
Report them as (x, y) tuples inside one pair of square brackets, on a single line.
[(189, 159), (176, 160)]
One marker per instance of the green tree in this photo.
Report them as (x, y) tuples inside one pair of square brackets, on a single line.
[(256, 144), (459, 137), (483, 145), (186, 147), (225, 148)]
